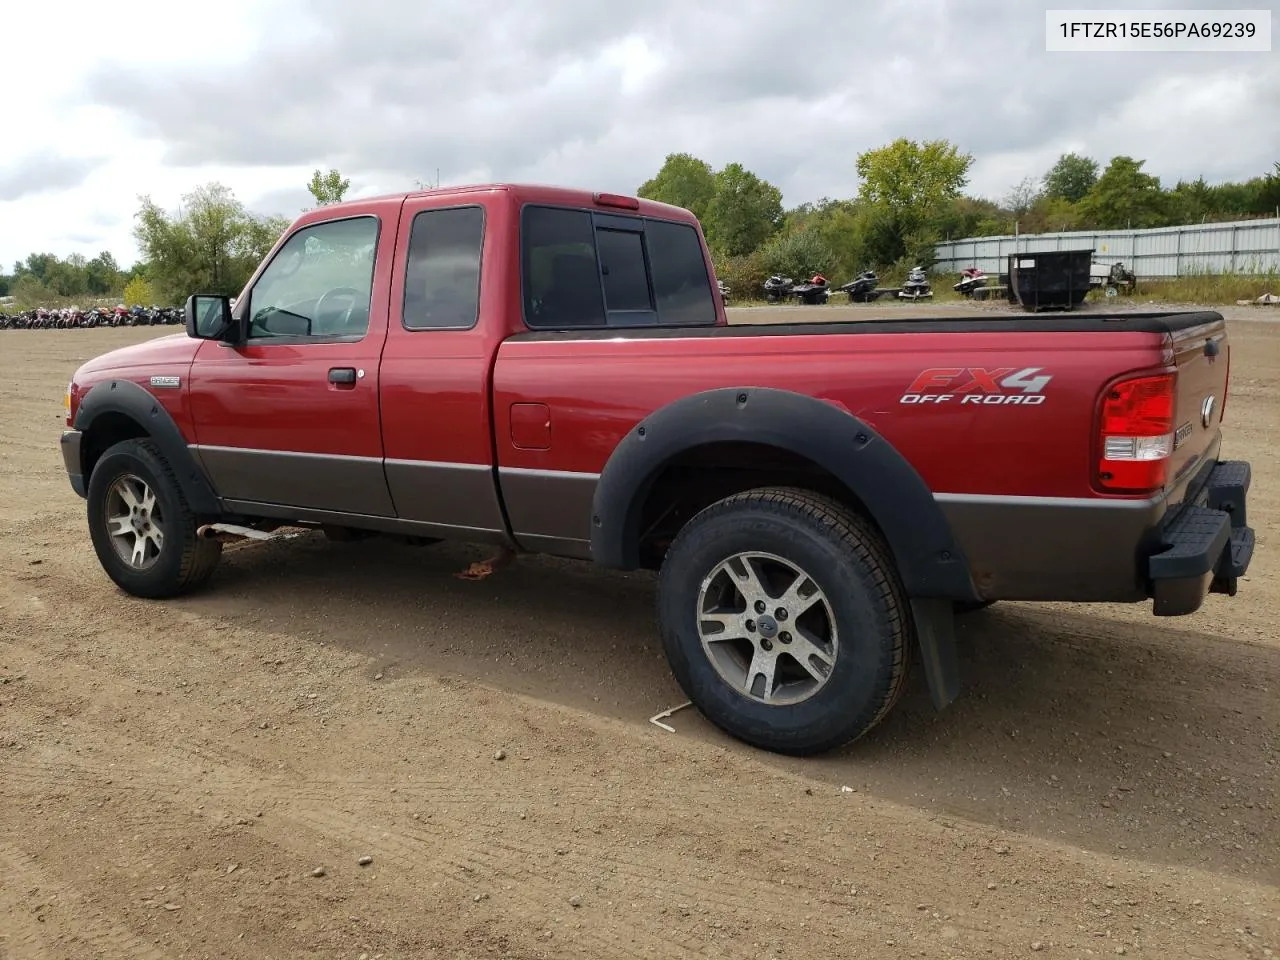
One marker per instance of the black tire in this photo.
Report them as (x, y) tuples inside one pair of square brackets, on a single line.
[(972, 606), (844, 556), (183, 561)]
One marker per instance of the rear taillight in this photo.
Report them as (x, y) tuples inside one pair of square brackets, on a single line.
[(1136, 434)]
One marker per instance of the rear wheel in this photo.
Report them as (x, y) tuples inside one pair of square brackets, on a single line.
[(784, 621), (142, 529)]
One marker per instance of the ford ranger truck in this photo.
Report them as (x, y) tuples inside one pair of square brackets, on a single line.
[(551, 371)]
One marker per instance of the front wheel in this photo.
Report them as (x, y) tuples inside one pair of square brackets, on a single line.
[(142, 529), (784, 620)]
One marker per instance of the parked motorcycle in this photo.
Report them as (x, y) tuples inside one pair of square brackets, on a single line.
[(814, 291), (861, 288), (971, 278), (75, 318), (917, 285)]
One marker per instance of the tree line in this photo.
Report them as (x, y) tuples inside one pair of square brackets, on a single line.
[(211, 244), (911, 195)]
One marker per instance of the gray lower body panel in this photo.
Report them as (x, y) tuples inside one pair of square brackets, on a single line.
[(453, 494), (1049, 548), (309, 480), (550, 510)]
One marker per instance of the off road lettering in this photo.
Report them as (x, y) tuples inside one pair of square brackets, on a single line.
[(1005, 399), (979, 385)]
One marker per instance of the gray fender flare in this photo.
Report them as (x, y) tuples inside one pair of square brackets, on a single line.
[(128, 399), (929, 559)]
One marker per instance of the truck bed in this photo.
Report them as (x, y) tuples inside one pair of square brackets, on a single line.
[(1021, 459)]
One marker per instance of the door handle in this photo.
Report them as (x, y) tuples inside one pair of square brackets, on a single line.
[(342, 374)]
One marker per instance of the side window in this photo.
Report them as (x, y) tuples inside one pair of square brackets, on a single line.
[(680, 281), (561, 276), (319, 285), (442, 278)]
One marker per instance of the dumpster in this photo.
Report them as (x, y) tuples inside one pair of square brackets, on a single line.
[(1049, 279)]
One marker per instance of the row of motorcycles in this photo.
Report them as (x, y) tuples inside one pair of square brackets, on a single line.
[(73, 318), (863, 288)]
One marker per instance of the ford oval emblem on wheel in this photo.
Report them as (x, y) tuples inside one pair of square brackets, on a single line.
[(1206, 410)]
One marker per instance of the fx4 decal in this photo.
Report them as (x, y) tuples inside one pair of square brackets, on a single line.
[(1002, 386)]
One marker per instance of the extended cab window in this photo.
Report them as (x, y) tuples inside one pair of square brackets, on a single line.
[(319, 285), (442, 277), (585, 269)]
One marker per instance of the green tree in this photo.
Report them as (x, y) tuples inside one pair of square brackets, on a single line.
[(1071, 177), (211, 246), (328, 188), (906, 175), (102, 274), (1023, 196), (799, 255), (69, 277), (36, 265), (835, 224), (744, 213), (684, 181), (1124, 197), (138, 291), (1266, 193), (30, 291), (906, 186)]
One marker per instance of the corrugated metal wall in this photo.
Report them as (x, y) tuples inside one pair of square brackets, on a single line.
[(1243, 246)]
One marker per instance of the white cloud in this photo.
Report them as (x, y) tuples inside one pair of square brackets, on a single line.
[(144, 97)]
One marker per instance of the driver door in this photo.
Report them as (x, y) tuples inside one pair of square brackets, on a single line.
[(290, 418)]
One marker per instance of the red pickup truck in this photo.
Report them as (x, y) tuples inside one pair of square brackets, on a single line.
[(551, 371)]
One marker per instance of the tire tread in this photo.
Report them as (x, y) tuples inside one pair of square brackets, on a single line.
[(851, 530), (198, 557)]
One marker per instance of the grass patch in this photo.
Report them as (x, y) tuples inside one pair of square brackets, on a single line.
[(1208, 288)]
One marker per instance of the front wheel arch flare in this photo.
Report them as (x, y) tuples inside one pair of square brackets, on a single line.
[(126, 398), (897, 499)]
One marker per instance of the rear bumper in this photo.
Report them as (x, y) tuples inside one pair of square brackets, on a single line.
[(71, 459), (1206, 546), (1173, 549)]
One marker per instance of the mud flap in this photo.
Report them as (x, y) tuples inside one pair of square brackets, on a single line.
[(935, 622)]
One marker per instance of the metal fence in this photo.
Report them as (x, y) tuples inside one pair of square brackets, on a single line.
[(1242, 246)]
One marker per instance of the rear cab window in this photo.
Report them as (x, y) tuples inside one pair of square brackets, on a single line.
[(582, 269), (442, 269)]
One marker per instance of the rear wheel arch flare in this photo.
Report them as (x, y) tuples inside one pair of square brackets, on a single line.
[(879, 478)]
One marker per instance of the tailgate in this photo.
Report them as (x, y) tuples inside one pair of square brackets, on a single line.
[(1202, 359)]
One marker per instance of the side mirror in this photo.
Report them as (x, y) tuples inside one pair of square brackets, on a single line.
[(208, 317)]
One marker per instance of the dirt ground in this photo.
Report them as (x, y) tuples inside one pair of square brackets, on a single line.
[(172, 775)]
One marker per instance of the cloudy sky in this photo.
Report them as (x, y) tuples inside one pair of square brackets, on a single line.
[(109, 101)]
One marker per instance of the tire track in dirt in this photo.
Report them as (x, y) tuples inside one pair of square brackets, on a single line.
[(174, 770), (104, 936), (496, 859), (466, 860)]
